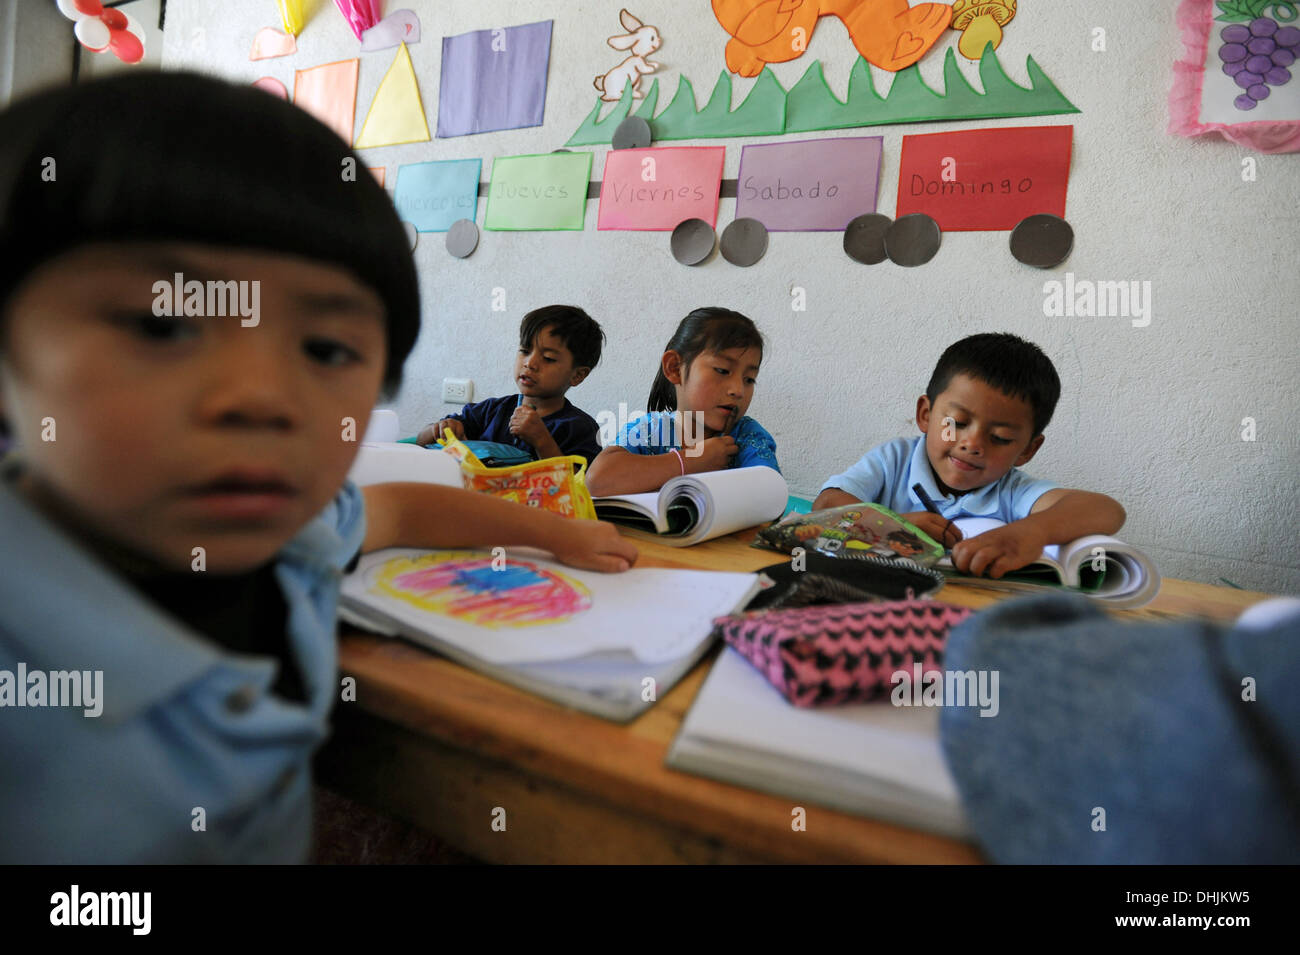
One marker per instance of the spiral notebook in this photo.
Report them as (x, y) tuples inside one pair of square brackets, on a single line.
[(700, 507)]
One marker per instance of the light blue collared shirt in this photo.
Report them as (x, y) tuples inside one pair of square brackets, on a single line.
[(186, 725), (886, 473)]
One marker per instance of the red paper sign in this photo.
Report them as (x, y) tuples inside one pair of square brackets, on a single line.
[(985, 180), (655, 189)]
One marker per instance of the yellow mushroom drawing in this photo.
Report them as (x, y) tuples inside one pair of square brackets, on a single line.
[(980, 22)]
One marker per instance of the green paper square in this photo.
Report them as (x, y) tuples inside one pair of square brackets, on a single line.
[(546, 192)]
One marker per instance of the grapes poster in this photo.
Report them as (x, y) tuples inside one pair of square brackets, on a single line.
[(1237, 78)]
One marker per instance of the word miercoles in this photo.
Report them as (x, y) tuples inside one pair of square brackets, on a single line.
[(211, 299), (103, 908), (83, 689), (1087, 299), (946, 688)]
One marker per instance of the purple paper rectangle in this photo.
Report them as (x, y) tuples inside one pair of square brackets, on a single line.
[(817, 185), (494, 79)]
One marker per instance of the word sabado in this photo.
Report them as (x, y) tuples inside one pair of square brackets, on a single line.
[(765, 190)]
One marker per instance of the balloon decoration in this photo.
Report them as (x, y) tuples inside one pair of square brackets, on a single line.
[(99, 28), (360, 14)]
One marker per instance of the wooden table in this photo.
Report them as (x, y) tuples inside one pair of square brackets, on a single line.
[(442, 747)]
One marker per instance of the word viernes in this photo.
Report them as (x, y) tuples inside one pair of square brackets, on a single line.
[(211, 299), (82, 689), (946, 688), (103, 908), (1087, 299)]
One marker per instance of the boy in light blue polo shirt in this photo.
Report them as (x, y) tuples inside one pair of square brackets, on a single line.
[(190, 328), (981, 418)]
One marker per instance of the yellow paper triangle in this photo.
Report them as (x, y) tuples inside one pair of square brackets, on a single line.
[(396, 114)]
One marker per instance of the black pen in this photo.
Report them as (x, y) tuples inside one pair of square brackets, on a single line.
[(932, 507)]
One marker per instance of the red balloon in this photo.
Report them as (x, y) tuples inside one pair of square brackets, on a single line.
[(126, 46), (114, 19), (91, 8)]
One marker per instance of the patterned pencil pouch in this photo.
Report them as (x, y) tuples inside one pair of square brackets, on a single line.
[(818, 579), (852, 530), (842, 653)]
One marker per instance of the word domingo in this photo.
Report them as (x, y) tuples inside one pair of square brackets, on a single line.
[(946, 688), (503, 190), (765, 190), (208, 299), (660, 431), (625, 192), (921, 186), (78, 688), (1088, 299), (103, 908)]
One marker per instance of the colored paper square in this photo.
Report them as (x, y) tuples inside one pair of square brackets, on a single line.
[(433, 195), (329, 92), (819, 185), (545, 192), (655, 189), (985, 180), (494, 79)]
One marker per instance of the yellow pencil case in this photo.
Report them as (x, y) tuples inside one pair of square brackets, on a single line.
[(553, 484)]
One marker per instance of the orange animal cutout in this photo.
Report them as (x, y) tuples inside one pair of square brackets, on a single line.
[(888, 33)]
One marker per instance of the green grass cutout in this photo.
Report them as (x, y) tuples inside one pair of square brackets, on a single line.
[(769, 110)]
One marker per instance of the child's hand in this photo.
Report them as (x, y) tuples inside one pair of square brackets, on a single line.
[(591, 545), (526, 423), (434, 431), (998, 551), (711, 454), (937, 527)]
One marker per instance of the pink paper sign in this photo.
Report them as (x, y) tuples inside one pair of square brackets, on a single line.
[(818, 185), (656, 189)]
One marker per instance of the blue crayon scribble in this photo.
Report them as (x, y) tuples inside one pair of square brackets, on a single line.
[(486, 580)]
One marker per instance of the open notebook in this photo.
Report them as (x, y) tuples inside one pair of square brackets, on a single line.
[(699, 507), (586, 639), (874, 759), (1104, 568)]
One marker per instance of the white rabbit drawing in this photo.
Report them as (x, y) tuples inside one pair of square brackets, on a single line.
[(642, 41)]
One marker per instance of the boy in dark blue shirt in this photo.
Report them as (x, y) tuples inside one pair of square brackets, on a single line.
[(559, 345)]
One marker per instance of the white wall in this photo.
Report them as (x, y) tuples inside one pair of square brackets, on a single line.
[(1149, 415)]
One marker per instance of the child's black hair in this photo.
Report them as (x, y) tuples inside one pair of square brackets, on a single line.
[(571, 325), (1010, 364), (180, 156), (705, 329)]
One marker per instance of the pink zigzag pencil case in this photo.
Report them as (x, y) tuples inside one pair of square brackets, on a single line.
[(842, 653)]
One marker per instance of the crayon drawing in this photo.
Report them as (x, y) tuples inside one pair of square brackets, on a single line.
[(466, 586)]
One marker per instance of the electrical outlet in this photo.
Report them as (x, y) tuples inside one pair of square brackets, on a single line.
[(457, 390)]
